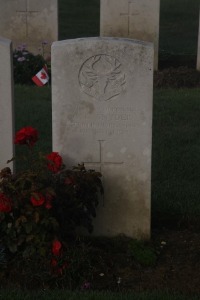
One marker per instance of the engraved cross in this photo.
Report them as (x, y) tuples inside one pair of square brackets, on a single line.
[(129, 15), (101, 163), (26, 13)]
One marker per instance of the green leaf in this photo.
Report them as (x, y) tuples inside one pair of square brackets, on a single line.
[(12, 247), (28, 227)]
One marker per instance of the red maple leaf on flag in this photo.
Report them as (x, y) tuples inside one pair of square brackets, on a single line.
[(43, 75)]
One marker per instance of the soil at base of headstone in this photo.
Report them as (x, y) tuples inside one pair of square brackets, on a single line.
[(177, 266)]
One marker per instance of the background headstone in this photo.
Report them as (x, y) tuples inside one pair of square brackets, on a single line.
[(6, 103), (102, 116), (198, 49), (29, 22), (135, 19)]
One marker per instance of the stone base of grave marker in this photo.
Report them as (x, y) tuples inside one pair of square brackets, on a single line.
[(198, 49), (102, 116), (6, 104)]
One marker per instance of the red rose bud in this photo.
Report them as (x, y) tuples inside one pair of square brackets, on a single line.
[(26, 136), (37, 199), (5, 203), (55, 162), (56, 247)]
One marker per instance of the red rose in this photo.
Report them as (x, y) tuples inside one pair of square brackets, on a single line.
[(5, 203), (56, 247), (37, 199), (26, 136), (55, 162)]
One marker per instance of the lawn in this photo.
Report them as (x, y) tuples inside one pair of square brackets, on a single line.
[(176, 150), (179, 21), (78, 19)]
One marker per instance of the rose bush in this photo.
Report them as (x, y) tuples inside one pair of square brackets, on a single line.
[(42, 206)]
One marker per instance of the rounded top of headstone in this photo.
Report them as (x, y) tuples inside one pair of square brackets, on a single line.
[(103, 39)]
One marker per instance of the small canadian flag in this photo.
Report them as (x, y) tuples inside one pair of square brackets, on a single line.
[(42, 77)]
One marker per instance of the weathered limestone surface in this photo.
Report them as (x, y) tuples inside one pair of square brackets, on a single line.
[(136, 19), (102, 116), (6, 103), (29, 22), (198, 50)]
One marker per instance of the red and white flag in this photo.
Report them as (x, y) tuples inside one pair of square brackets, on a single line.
[(42, 77)]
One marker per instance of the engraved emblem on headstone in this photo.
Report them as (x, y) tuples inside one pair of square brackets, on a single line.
[(101, 77)]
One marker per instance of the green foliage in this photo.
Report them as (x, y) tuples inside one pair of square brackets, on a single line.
[(142, 253), (76, 201), (2, 256), (26, 65)]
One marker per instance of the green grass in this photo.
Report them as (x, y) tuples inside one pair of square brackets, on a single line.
[(179, 21), (176, 153), (66, 295), (179, 26), (78, 18)]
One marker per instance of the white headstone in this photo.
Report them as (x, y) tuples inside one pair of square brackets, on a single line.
[(29, 22), (6, 103), (102, 116), (198, 49), (135, 19)]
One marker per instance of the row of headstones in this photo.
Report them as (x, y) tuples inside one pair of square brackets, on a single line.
[(31, 22)]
